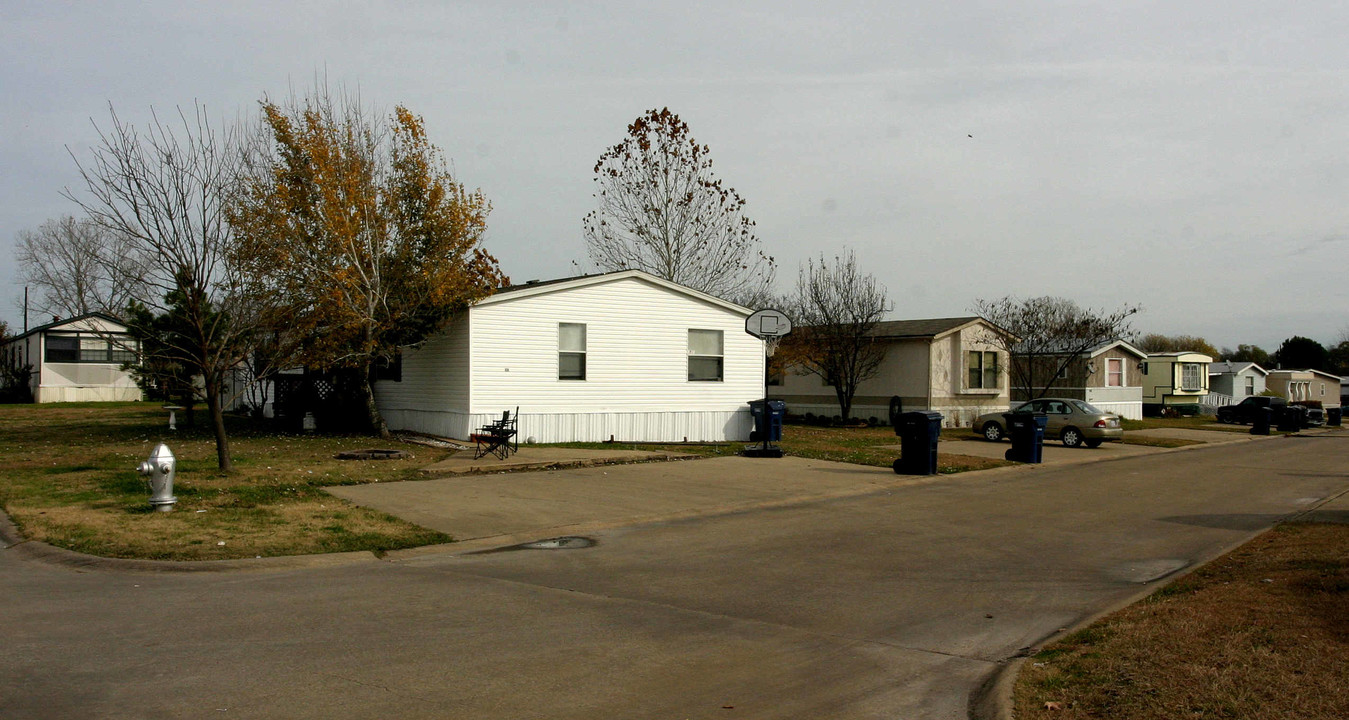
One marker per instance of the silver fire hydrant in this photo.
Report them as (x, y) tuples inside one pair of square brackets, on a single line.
[(159, 470)]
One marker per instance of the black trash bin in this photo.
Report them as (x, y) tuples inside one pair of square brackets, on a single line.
[(767, 420), (1027, 432), (1291, 419), (918, 431), (1333, 416), (1264, 417)]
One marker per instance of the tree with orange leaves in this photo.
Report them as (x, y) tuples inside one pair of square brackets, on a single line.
[(357, 223)]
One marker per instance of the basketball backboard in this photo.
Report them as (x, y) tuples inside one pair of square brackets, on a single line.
[(768, 324)]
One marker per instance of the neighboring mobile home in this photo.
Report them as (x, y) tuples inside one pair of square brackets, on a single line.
[(1109, 376), (1176, 381), (1300, 385), (622, 355), (76, 360), (1236, 380), (948, 365)]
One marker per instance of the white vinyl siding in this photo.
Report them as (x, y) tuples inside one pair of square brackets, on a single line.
[(432, 395), (636, 384)]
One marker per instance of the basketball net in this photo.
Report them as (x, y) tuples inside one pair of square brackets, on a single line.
[(771, 345)]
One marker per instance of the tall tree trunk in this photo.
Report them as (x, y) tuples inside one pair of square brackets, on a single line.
[(372, 412), (844, 402), (222, 441)]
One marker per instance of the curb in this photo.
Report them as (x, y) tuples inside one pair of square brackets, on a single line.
[(12, 541), (993, 699)]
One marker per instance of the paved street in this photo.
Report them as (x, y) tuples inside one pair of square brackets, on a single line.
[(894, 601)]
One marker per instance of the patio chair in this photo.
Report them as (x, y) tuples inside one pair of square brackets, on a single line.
[(498, 437)]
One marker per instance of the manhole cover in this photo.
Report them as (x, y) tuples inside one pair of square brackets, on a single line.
[(559, 543), (373, 454)]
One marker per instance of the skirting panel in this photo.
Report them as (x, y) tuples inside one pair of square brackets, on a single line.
[(1126, 410), (58, 393), (707, 426)]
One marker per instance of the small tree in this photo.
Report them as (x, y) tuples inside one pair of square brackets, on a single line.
[(1247, 353), (358, 224), (78, 266), (661, 210), (836, 308), (1155, 343), (1044, 335)]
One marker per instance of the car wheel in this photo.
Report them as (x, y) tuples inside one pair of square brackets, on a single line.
[(1093, 443), (1071, 437), (992, 432)]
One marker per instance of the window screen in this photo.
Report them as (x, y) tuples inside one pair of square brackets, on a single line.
[(705, 355), (571, 351)]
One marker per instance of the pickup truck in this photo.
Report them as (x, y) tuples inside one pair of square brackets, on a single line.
[(1243, 413)]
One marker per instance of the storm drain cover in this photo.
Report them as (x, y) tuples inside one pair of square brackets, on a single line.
[(570, 542)]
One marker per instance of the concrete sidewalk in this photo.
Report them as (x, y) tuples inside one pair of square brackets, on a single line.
[(530, 457), (560, 501), (1054, 453)]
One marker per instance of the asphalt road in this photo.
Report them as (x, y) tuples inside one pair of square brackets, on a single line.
[(894, 604)]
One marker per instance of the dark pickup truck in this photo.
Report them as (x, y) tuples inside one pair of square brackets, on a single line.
[(1244, 411)]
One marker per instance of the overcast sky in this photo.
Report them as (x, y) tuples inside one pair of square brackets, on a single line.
[(1191, 157)]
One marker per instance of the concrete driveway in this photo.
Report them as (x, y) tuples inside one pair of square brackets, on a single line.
[(898, 602)]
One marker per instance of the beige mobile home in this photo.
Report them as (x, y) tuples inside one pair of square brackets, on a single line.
[(1302, 385), (76, 360), (946, 364), (625, 355), (1176, 381)]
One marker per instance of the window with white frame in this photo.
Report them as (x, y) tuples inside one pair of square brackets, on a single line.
[(705, 355), (1250, 385), (89, 348), (1114, 372), (983, 370), (1191, 377), (571, 351)]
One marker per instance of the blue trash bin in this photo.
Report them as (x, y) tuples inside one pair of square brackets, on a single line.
[(1027, 432), (767, 420), (919, 432)]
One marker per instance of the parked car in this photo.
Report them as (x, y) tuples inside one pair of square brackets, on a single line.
[(1074, 422), (1243, 413)]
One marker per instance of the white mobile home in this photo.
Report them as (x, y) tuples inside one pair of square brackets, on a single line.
[(625, 355), (76, 360)]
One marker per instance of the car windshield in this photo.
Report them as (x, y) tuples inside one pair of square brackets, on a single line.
[(1088, 408)]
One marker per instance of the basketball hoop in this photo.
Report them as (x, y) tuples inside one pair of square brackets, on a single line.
[(771, 345), (768, 324)]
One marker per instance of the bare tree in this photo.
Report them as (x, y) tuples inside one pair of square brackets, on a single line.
[(78, 267), (1043, 336), (167, 193), (662, 210), (836, 308)]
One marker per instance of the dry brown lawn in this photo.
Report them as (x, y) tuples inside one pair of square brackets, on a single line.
[(68, 477), (1261, 633)]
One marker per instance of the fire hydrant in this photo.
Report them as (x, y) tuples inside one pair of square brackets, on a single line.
[(160, 469)]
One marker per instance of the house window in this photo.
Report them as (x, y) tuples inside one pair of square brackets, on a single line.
[(82, 348), (1190, 377), (571, 351), (705, 355), (62, 349), (1114, 372), (983, 370), (1250, 385)]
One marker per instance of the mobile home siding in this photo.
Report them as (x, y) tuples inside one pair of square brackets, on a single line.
[(636, 385), (503, 354), (432, 396)]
